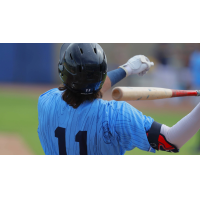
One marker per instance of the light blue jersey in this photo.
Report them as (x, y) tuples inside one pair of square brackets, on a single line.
[(94, 128)]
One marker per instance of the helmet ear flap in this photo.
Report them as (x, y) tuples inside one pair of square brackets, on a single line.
[(60, 71)]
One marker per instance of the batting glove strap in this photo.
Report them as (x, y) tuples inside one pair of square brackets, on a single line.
[(158, 141), (122, 67)]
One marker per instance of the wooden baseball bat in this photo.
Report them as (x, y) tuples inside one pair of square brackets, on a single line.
[(149, 93)]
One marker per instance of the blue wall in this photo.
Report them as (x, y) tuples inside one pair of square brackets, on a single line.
[(26, 63)]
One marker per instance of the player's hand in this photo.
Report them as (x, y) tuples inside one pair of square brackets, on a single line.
[(137, 65)]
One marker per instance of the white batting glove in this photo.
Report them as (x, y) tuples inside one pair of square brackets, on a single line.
[(137, 65)]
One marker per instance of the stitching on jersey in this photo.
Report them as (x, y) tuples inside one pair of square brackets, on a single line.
[(107, 135)]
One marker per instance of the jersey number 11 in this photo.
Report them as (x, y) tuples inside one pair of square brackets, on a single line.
[(80, 137)]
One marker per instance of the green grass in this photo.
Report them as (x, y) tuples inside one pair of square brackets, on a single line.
[(19, 116)]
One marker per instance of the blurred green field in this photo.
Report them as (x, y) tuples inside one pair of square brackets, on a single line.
[(19, 116)]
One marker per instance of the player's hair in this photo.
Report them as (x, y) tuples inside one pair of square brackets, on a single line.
[(76, 99)]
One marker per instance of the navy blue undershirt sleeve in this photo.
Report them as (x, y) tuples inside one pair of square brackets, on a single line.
[(116, 75)]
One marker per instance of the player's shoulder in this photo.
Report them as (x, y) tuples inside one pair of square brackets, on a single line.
[(50, 95), (116, 105)]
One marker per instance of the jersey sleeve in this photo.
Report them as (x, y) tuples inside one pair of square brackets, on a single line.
[(131, 126), (47, 116)]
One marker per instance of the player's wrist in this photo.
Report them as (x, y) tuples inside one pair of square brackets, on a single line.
[(116, 75), (127, 70)]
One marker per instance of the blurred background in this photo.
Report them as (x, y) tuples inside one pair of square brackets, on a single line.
[(28, 70)]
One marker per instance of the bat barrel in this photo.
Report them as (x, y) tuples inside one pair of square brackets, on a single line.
[(117, 94), (140, 93)]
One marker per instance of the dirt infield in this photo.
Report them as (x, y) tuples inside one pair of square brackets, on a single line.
[(13, 145), (26, 89)]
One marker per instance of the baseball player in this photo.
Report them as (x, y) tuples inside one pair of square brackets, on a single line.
[(74, 120)]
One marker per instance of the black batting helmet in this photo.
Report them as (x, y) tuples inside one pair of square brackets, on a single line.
[(82, 67)]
